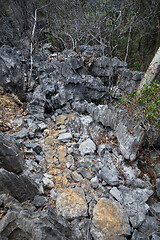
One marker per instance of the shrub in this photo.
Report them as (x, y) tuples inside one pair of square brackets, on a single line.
[(146, 105)]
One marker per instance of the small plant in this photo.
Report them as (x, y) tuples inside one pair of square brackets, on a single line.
[(146, 105)]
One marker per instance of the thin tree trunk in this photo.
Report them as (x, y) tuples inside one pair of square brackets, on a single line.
[(152, 71)]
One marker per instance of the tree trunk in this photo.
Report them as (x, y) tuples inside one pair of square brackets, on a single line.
[(152, 71)]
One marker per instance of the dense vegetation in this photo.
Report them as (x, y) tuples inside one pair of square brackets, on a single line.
[(129, 29)]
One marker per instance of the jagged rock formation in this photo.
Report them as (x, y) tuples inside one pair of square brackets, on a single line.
[(10, 156), (80, 177), (24, 224)]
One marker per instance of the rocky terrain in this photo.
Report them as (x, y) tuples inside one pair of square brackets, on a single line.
[(72, 165)]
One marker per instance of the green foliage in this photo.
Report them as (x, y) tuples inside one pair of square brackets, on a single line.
[(146, 105)]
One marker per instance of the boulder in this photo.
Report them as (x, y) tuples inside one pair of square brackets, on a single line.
[(10, 156), (11, 71), (36, 106), (129, 142), (134, 201), (24, 224), (18, 186), (71, 203), (110, 221)]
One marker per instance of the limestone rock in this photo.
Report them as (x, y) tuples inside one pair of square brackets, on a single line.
[(155, 209), (21, 134), (24, 224), (116, 194), (65, 137), (138, 236), (37, 105), (149, 226), (71, 203), (10, 156), (87, 147), (110, 221), (11, 70), (134, 200), (39, 201), (129, 143), (18, 186), (110, 175), (109, 172)]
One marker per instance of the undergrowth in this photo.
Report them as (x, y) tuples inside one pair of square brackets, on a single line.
[(146, 105)]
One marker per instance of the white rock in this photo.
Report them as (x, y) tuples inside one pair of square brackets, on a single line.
[(65, 136), (87, 147), (42, 126), (48, 183), (116, 194)]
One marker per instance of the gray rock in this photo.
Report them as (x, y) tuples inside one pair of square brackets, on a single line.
[(128, 80), (39, 159), (65, 136), (1, 201), (18, 186), (107, 115), (96, 50), (109, 172), (149, 226), (110, 221), (71, 203), (90, 108), (42, 126), (110, 175), (155, 236), (47, 180), (135, 203), (118, 63), (95, 182), (138, 236), (87, 147), (131, 173), (129, 143), (76, 176), (102, 62), (10, 156), (35, 146), (69, 66), (11, 71), (39, 201), (85, 123), (155, 209), (102, 149), (53, 194), (80, 107), (22, 134), (155, 156), (101, 72), (20, 224), (97, 132), (88, 88), (85, 172), (116, 194), (36, 106), (158, 187)]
